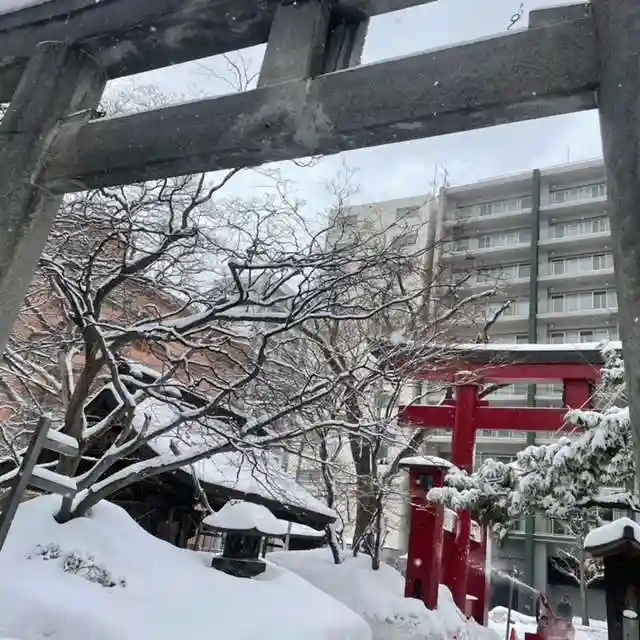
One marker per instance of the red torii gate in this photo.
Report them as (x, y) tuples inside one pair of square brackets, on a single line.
[(578, 367)]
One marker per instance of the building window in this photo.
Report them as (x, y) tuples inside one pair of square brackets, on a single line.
[(583, 335), (517, 308), (584, 301), (581, 264), (347, 221), (584, 192), (521, 338), (407, 212), (599, 299), (404, 240), (509, 272), (577, 228), (496, 207), (461, 244), (505, 239)]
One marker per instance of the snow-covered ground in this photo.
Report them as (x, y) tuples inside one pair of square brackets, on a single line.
[(527, 624), (166, 593), (378, 596)]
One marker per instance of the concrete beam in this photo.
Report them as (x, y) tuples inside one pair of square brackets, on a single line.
[(128, 37), (553, 15), (297, 43), (618, 29), (523, 75)]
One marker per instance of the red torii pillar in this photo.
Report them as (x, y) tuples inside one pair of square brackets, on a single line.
[(467, 415)]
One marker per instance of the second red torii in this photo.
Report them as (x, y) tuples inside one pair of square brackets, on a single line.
[(577, 367)]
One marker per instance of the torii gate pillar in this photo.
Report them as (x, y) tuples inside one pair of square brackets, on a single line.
[(463, 447)]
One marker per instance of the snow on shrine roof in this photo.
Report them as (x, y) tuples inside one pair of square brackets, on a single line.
[(427, 461), (252, 472), (238, 515), (610, 533)]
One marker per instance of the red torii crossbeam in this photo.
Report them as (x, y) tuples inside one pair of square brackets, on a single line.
[(467, 367)]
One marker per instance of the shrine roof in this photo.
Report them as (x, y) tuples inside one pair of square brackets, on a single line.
[(250, 474)]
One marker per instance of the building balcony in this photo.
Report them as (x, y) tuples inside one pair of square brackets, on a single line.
[(476, 254), (574, 208), (577, 279), (585, 242), (501, 285), (577, 317), (486, 223)]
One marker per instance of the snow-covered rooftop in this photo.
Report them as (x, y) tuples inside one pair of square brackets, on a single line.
[(611, 532), (254, 472), (238, 515)]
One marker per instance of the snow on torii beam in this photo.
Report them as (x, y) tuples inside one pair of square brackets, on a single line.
[(132, 36), (548, 70)]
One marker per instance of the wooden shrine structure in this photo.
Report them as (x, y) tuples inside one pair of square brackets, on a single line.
[(454, 557)]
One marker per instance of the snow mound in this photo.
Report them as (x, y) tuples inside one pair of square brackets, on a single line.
[(170, 593), (378, 596), (527, 624)]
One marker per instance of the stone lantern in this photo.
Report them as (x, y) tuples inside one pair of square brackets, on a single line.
[(618, 545), (246, 526)]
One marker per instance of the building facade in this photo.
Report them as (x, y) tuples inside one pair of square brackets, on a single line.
[(542, 241)]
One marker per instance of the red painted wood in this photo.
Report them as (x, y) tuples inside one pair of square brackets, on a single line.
[(497, 418), (424, 557), (463, 445)]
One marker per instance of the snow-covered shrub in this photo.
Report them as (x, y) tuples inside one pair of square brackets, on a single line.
[(78, 564)]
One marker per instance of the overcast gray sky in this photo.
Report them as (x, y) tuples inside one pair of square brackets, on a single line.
[(408, 168)]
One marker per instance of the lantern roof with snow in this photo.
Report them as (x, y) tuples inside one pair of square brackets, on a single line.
[(621, 536), (238, 516)]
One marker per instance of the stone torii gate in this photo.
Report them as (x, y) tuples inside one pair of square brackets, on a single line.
[(312, 98)]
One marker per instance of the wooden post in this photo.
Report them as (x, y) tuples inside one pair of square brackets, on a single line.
[(617, 25), (23, 478), (59, 81)]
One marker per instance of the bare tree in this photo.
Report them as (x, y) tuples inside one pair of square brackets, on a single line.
[(584, 571)]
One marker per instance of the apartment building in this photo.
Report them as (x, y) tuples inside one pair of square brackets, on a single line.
[(540, 239)]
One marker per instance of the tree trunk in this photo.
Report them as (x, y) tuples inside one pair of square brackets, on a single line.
[(366, 506), (333, 544), (584, 596), (377, 545)]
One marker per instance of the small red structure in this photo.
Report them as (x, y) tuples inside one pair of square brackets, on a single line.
[(454, 558)]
